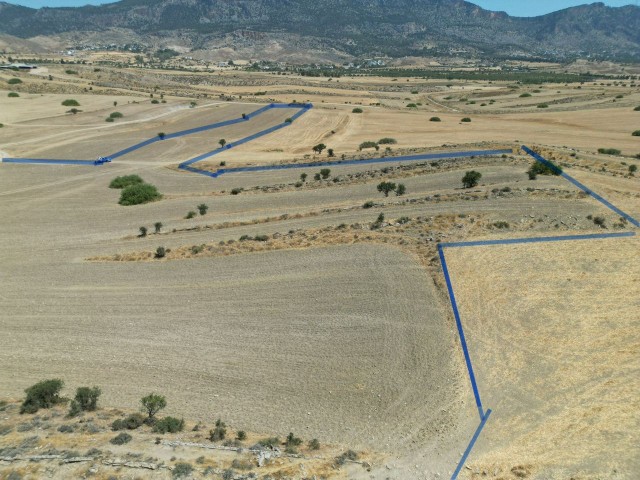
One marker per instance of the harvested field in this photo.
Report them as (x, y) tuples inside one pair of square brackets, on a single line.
[(555, 354), (372, 363)]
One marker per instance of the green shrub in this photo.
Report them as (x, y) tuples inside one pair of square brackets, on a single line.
[(87, 398), (368, 205), (181, 470), (292, 440), (202, 208), (71, 72), (169, 425), (44, 394), (387, 141), (236, 191), (125, 181), (600, 221), (14, 81), (132, 422), (411, 105), (269, 442), (241, 464), (109, 120), (74, 409), (314, 444), (1, 125), (369, 144), (609, 151), (539, 168), (357, 110), (386, 188), (620, 96), (636, 133), (637, 109), (116, 115), (501, 225), (543, 105), (471, 179), (466, 120), (633, 168), (191, 214), (325, 172), (242, 435), (161, 252), (525, 95), (154, 101), (348, 455), (288, 120), (13, 95), (435, 119), (70, 102), (157, 226), (261, 238), (139, 194), (121, 439)]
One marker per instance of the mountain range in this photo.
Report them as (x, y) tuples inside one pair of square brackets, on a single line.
[(348, 28)]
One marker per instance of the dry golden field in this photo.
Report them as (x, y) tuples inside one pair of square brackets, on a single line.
[(325, 322)]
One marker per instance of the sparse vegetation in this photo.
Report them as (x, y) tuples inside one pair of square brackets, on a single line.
[(181, 470), (121, 439)]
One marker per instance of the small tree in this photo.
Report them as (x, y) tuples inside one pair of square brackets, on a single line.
[(303, 177), (161, 135), (219, 432), (87, 398), (331, 153), (202, 208), (115, 103), (143, 231), (471, 179), (325, 172), (222, 142), (161, 252), (319, 148), (244, 116), (153, 403), (386, 188), (401, 190), (158, 226), (369, 144), (633, 168), (242, 435)]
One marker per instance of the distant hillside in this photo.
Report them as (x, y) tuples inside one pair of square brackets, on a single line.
[(352, 27)]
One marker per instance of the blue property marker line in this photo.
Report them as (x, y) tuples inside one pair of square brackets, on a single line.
[(406, 158), (49, 161), (512, 241), (582, 187), (463, 340), (471, 444)]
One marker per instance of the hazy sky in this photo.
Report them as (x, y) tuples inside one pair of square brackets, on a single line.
[(513, 7)]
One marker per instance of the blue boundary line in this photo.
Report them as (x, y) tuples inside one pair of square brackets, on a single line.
[(264, 168), (463, 341), (472, 443), (484, 416), (581, 186), (302, 107)]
